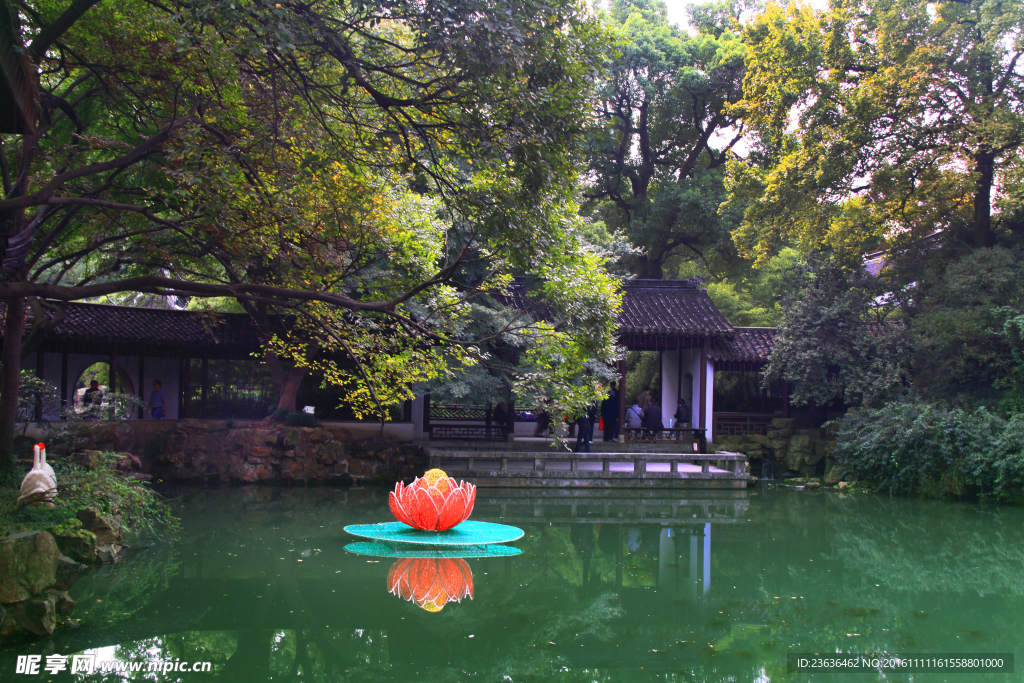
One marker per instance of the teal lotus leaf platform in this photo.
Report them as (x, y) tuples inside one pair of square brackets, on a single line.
[(378, 549), (469, 533)]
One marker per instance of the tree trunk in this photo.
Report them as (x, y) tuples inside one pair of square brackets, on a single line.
[(292, 378), (10, 370), (649, 268), (984, 167)]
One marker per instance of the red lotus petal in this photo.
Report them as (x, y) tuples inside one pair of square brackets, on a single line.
[(423, 511), (397, 509), (397, 574), (470, 492), (454, 510), (454, 574)]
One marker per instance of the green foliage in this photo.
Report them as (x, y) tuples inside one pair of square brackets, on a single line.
[(364, 170), (298, 419), (877, 121), (656, 175), (131, 504), (912, 445), (837, 339), (35, 392), (963, 325)]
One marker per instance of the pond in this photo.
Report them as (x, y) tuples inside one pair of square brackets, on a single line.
[(610, 586)]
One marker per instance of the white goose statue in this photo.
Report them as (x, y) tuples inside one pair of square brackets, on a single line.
[(40, 484)]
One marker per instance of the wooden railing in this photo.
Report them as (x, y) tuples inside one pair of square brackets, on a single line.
[(681, 435), (457, 432), (734, 464), (741, 424)]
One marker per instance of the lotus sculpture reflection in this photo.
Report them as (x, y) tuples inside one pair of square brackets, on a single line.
[(431, 583), (432, 503)]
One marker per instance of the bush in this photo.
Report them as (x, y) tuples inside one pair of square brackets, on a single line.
[(296, 419), (916, 446)]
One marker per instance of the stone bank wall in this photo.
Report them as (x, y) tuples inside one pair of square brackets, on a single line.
[(801, 452), (190, 450)]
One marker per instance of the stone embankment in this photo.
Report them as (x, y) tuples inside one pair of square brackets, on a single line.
[(38, 567), (195, 450), (801, 452)]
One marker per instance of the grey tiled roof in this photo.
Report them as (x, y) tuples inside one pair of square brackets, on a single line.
[(669, 307), (124, 325), (747, 345)]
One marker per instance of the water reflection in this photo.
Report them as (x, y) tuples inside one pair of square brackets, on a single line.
[(430, 583), (678, 586)]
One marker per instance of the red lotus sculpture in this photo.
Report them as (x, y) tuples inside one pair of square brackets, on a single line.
[(431, 583), (433, 503)]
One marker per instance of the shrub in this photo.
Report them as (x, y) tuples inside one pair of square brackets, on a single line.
[(912, 445)]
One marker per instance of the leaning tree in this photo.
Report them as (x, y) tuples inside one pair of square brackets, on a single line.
[(341, 164)]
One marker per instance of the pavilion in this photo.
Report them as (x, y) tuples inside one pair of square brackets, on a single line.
[(675, 318)]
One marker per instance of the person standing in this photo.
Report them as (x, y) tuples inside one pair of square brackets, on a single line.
[(92, 400), (644, 399), (501, 416), (584, 433), (158, 401)]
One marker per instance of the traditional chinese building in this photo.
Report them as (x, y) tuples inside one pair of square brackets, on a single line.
[(193, 354)]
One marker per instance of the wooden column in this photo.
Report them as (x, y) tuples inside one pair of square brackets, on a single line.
[(142, 386), (426, 413), (703, 387), (185, 388), (679, 379), (622, 399), (40, 369), (64, 402), (204, 379)]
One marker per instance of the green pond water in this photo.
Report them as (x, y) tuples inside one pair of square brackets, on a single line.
[(610, 586)]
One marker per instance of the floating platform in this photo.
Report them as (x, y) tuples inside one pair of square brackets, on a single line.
[(379, 549), (636, 469), (467, 534)]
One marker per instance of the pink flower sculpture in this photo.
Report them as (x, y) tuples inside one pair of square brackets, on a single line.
[(433, 503)]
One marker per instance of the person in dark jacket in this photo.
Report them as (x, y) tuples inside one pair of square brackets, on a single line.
[(584, 433), (652, 420), (683, 413)]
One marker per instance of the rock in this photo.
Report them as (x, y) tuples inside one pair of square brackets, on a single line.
[(833, 471), (783, 422), (38, 615), (844, 485), (77, 543), (62, 603), (106, 533), (794, 459), (67, 573), (759, 438), (28, 565), (108, 554)]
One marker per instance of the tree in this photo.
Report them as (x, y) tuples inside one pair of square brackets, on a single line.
[(656, 163), (876, 120), (838, 339), (338, 164)]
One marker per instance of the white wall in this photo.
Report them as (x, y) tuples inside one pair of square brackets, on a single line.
[(669, 385), (691, 364)]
